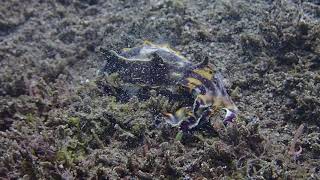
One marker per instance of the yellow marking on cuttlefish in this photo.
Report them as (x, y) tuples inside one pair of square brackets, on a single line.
[(194, 81), (191, 87), (183, 113), (191, 84), (206, 99), (204, 72), (164, 47), (218, 102), (126, 49), (146, 42)]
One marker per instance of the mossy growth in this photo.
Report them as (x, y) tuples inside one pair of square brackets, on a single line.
[(30, 118), (65, 157), (179, 136), (31, 121), (138, 129), (74, 121), (178, 5), (69, 157), (29, 169), (70, 154)]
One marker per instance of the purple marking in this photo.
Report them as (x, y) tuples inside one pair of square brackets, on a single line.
[(230, 116)]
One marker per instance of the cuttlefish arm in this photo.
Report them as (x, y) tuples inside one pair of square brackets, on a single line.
[(222, 99), (217, 97)]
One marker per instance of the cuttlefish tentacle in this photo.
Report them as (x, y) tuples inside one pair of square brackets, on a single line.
[(210, 91), (179, 116), (210, 95), (185, 120), (222, 98)]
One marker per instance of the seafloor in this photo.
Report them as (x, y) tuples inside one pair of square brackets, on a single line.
[(56, 123)]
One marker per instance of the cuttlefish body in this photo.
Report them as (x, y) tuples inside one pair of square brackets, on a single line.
[(160, 66)]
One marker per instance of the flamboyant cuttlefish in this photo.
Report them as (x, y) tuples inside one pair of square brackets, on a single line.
[(159, 65)]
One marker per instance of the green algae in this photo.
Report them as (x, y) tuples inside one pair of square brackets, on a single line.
[(179, 136), (138, 129), (71, 154), (74, 121), (30, 118), (65, 157)]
